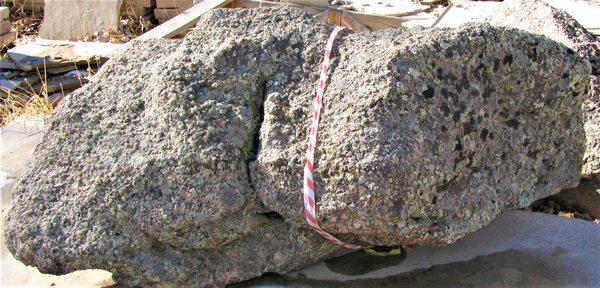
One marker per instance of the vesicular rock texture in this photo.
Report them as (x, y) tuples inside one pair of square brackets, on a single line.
[(538, 17), (181, 162)]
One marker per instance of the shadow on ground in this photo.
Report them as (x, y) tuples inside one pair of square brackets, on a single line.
[(510, 268)]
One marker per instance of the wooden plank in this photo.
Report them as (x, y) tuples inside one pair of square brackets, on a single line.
[(334, 17), (373, 22), (184, 20), (376, 22), (352, 23), (323, 16), (314, 3), (442, 15)]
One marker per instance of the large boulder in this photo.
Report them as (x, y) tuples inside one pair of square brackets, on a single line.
[(180, 163), (539, 17)]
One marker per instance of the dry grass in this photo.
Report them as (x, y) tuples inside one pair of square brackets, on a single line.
[(25, 101), (133, 26), (34, 98), (31, 101), (15, 106)]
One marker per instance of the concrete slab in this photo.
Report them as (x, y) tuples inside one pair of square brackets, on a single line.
[(17, 132), (52, 54), (584, 11), (468, 11), (388, 7), (517, 249), (4, 13), (5, 26)]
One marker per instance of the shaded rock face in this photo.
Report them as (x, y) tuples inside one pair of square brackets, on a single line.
[(538, 17), (180, 163)]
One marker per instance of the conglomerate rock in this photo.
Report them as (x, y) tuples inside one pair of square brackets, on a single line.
[(538, 17), (180, 162)]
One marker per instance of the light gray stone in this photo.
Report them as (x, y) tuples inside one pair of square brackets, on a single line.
[(539, 17), (155, 187), (428, 134)]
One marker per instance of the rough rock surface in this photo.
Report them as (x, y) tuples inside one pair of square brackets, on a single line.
[(538, 17), (159, 169), (144, 172), (428, 134)]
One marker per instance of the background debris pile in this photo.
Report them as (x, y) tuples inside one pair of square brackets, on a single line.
[(43, 72)]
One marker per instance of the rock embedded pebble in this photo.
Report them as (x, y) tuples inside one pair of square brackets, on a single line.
[(180, 163)]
